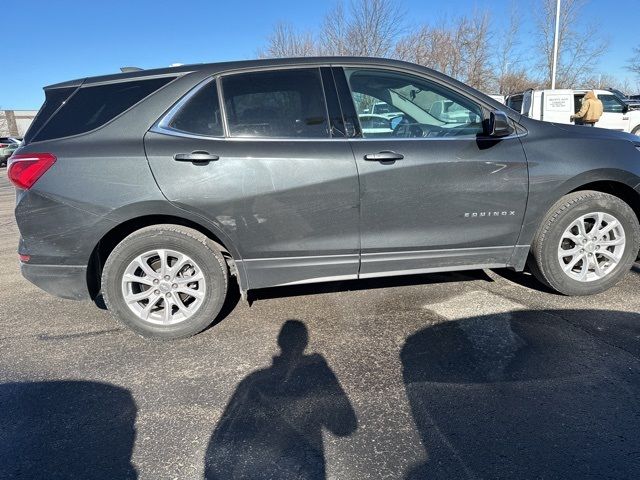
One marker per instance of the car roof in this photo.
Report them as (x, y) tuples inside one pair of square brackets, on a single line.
[(219, 67)]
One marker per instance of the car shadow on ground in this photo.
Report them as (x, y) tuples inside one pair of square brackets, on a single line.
[(368, 284), (527, 394), (272, 426), (524, 279), (66, 429)]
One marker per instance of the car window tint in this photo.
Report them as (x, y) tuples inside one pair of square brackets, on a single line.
[(91, 107), (416, 107), (54, 97), (515, 102), (611, 104), (280, 104), (201, 114)]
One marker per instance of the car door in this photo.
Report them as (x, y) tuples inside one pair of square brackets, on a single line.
[(435, 193), (253, 153), (614, 115)]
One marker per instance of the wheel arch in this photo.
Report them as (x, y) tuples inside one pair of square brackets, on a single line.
[(618, 182), (113, 237), (618, 189)]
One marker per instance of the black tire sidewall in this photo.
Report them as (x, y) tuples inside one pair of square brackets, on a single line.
[(198, 249), (548, 260)]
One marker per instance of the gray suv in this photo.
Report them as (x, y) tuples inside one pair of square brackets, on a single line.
[(152, 188)]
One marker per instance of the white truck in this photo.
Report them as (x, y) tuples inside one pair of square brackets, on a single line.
[(557, 106)]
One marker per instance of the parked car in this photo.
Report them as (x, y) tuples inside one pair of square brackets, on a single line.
[(558, 105), (8, 145), (378, 125), (634, 104), (153, 188), (384, 109), (499, 98)]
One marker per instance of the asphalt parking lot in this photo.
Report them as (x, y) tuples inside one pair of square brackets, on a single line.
[(466, 375)]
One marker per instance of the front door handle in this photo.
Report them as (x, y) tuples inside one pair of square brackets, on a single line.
[(197, 156), (383, 157)]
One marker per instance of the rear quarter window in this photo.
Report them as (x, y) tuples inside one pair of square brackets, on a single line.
[(55, 97), (93, 106)]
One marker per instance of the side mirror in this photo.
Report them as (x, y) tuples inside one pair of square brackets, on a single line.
[(625, 108), (499, 125)]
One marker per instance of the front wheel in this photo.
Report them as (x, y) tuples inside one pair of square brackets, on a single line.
[(165, 282), (586, 244)]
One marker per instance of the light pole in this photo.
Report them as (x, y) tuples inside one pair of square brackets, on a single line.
[(555, 47)]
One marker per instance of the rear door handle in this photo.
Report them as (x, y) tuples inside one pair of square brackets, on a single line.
[(383, 156), (197, 156)]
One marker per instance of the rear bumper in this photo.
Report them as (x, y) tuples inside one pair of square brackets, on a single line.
[(60, 280)]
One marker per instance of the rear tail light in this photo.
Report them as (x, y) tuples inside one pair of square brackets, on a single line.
[(24, 258), (3, 145), (26, 168)]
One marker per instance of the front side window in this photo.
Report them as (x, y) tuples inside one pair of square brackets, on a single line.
[(611, 104), (201, 114), (408, 106), (276, 104)]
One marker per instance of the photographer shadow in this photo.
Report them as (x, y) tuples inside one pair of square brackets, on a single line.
[(272, 426)]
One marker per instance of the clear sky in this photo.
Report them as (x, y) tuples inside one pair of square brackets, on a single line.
[(48, 41)]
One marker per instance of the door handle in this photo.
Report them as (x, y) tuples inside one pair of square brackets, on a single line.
[(197, 156), (383, 157)]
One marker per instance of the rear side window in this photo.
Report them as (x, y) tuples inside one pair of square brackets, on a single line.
[(201, 114), (92, 107), (280, 104)]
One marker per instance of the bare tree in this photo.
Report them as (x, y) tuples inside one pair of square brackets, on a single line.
[(434, 47), (580, 46), (634, 62), (608, 81), (476, 38), (465, 48), (458, 49), (517, 81), (334, 37), (366, 28), (509, 72), (286, 41), (373, 27)]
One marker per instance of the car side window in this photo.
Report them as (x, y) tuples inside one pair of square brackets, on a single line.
[(611, 104), (276, 104), (201, 113), (410, 107)]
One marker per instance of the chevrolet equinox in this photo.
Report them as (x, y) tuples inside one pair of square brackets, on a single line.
[(151, 188)]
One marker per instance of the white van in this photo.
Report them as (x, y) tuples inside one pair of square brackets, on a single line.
[(558, 105)]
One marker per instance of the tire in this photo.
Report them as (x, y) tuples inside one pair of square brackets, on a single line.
[(187, 296), (587, 208), (636, 131)]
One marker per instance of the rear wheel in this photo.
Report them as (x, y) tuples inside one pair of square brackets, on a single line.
[(586, 244), (165, 281)]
